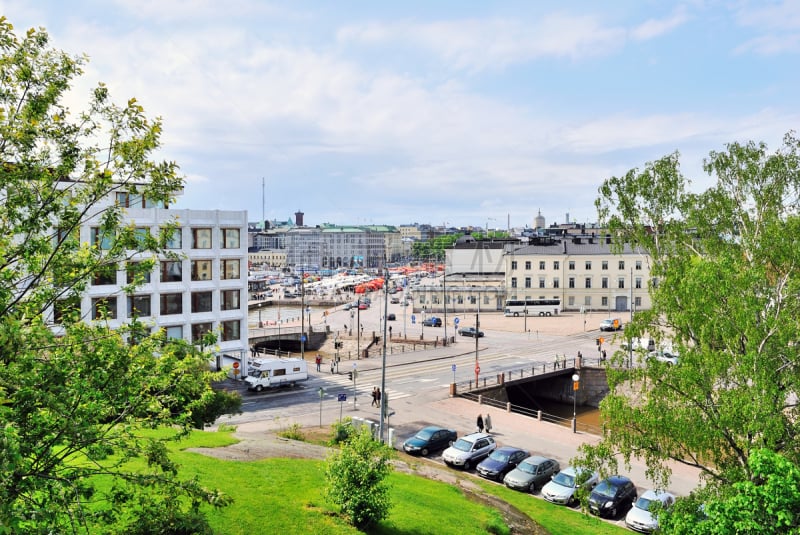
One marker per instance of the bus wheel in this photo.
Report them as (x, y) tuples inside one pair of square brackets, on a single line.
[(547, 314), (516, 314), (541, 314)]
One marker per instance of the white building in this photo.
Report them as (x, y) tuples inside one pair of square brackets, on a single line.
[(200, 287)]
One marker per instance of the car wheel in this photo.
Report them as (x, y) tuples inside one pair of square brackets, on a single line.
[(467, 465), (532, 488), (259, 388), (424, 452), (614, 512)]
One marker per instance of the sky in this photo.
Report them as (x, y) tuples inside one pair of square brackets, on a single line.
[(455, 113)]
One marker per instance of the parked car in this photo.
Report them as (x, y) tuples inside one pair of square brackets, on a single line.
[(390, 317), (433, 321), (363, 306), (611, 324), (640, 517), (561, 489), (613, 495), (663, 356), (395, 300), (469, 450), (500, 462), (531, 473), (428, 439), (470, 331)]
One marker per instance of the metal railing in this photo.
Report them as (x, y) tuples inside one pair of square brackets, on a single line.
[(532, 413), (501, 377)]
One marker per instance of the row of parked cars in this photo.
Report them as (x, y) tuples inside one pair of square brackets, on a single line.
[(519, 470)]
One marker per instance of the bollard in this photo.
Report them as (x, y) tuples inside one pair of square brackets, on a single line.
[(539, 415), (480, 399), (452, 390), (391, 437), (508, 407)]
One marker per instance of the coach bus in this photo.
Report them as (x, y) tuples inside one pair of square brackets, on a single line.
[(532, 307)]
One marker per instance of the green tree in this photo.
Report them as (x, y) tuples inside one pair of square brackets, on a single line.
[(74, 395), (768, 503), (725, 294), (356, 476)]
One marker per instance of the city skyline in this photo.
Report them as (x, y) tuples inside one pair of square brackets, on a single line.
[(454, 114)]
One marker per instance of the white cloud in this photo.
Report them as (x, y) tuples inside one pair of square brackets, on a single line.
[(652, 28)]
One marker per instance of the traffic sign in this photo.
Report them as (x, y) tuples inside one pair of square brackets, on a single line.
[(235, 365), (341, 397), (456, 321), (413, 318), (453, 367), (477, 369), (303, 338)]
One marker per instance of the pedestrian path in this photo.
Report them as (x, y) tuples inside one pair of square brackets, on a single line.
[(364, 388)]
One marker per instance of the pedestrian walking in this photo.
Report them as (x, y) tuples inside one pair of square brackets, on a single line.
[(318, 361), (555, 363), (333, 363), (604, 354), (480, 424), (379, 396), (374, 397), (487, 422)]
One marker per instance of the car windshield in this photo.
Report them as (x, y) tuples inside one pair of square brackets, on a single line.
[(499, 456), (425, 434), (643, 503), (527, 467), (462, 445), (565, 480), (606, 489), (255, 373)]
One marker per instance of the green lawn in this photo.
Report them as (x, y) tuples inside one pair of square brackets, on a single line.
[(285, 496)]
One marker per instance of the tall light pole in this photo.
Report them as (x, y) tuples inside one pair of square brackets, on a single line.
[(383, 361), (444, 282), (477, 330), (576, 381), (302, 316)]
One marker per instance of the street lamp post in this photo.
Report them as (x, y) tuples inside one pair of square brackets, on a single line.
[(575, 385)]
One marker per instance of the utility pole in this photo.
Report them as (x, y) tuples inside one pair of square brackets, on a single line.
[(383, 361)]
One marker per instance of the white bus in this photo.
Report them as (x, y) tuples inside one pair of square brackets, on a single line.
[(532, 307)]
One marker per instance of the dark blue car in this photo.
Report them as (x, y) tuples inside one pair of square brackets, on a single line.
[(500, 462), (429, 439)]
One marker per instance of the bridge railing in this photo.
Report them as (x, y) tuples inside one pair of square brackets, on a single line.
[(499, 378), (532, 413)]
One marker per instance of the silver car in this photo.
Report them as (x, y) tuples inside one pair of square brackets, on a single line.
[(531, 473)]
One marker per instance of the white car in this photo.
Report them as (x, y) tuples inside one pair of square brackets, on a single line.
[(469, 450), (640, 518), (664, 356), (561, 489)]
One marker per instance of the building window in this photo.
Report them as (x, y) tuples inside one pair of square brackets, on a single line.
[(202, 301), (587, 301), (541, 282), (231, 330), (105, 275), (621, 264), (571, 301), (604, 264), (513, 282), (638, 264), (541, 264), (556, 283), (621, 282), (230, 238), (201, 238), (174, 332), (588, 282), (588, 265), (138, 306), (171, 304), (135, 274), (604, 282), (513, 264), (527, 282), (174, 240), (200, 329), (124, 199), (572, 282), (201, 270), (556, 265), (638, 301), (104, 308), (638, 283), (528, 264), (230, 299), (100, 239), (171, 271), (604, 301), (63, 308), (571, 265), (230, 269), (141, 235)]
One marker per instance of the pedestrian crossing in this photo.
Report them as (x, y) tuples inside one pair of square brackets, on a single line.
[(363, 388)]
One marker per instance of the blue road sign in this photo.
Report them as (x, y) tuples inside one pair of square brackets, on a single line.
[(456, 320), (413, 318), (303, 338), (453, 367), (342, 397)]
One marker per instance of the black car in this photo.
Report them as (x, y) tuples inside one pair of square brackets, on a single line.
[(500, 462), (390, 317), (470, 331), (429, 439), (433, 321), (612, 496)]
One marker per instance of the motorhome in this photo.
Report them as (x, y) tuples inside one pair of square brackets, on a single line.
[(271, 373)]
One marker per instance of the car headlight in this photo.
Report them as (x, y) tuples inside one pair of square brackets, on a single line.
[(607, 505)]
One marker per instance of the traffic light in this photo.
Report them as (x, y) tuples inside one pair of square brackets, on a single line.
[(350, 375)]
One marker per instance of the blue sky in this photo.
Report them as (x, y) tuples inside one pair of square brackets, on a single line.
[(457, 113)]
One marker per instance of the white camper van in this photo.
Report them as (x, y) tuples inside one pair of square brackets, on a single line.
[(268, 373)]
